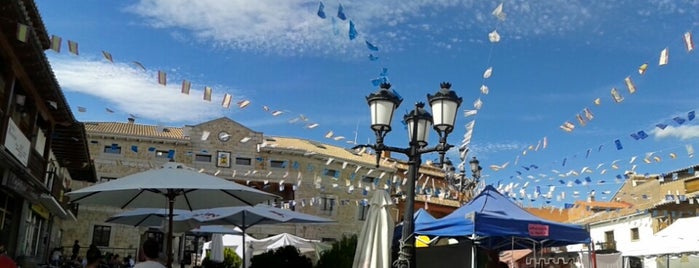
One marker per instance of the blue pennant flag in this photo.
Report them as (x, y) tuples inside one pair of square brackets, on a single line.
[(519, 173), (321, 12), (618, 176), (533, 166), (690, 170), (618, 145), (377, 81), (601, 182), (661, 126), (600, 147), (635, 136), (679, 120), (690, 116), (564, 162), (371, 46), (587, 154), (134, 148), (562, 181), (373, 58), (171, 154), (296, 165), (578, 181), (151, 149), (396, 93), (642, 134), (588, 179), (341, 12), (525, 167), (352, 31), (384, 71)]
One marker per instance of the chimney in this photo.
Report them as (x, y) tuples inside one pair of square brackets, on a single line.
[(131, 120)]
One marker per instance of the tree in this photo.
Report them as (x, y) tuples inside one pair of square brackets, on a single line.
[(230, 260), (341, 255), (287, 256)]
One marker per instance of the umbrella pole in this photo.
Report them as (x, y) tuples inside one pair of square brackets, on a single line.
[(245, 264), (171, 203)]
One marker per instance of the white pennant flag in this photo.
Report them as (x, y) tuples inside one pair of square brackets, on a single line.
[(478, 104), (494, 37), (688, 43), (488, 72), (485, 90), (468, 113), (498, 13), (664, 57)]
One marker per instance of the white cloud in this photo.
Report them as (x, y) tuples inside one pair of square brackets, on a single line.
[(680, 132), (492, 147), (292, 27), (133, 91)]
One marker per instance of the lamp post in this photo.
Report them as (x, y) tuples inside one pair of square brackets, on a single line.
[(475, 169), (383, 104)]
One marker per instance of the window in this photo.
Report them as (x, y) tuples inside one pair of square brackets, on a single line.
[(106, 179), (202, 158), (363, 211), (328, 239), (332, 173), (243, 161), (634, 234), (328, 205), (277, 164), (367, 179), (161, 154), (609, 236), (100, 235), (112, 149)]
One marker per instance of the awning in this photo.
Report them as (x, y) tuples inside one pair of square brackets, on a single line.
[(53, 206)]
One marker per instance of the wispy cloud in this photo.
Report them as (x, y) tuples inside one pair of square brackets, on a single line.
[(291, 26), (490, 147), (133, 91), (680, 132)]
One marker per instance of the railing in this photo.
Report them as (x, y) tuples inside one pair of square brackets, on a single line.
[(606, 245), (37, 165)]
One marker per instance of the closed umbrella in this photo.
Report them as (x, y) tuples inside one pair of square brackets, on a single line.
[(374, 241), (173, 186), (217, 248), (246, 216)]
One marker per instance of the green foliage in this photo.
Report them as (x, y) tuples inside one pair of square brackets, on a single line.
[(230, 260), (341, 255), (287, 256)]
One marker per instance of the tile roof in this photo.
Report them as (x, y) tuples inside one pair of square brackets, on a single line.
[(339, 153), (135, 130)]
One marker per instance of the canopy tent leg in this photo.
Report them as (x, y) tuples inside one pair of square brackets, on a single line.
[(171, 204), (473, 255), (245, 262), (512, 255), (536, 259)]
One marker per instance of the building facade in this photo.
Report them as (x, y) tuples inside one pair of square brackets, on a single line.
[(311, 177), (42, 147)]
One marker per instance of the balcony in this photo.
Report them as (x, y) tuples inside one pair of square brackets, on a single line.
[(37, 165), (606, 246)]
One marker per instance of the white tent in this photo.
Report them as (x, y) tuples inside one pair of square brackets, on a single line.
[(307, 247), (679, 237), (229, 241)]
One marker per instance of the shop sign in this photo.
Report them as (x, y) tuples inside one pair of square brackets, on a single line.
[(16, 143), (40, 210), (21, 187), (538, 230)]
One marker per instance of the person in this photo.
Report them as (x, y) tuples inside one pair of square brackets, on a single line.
[(129, 261), (76, 250), (56, 256), (6, 261), (150, 251), (93, 257)]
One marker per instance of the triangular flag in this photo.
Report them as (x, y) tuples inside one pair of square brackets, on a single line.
[(597, 101), (109, 110), (618, 144), (73, 47), (478, 104), (468, 113), (107, 56), (588, 114), (545, 143), (664, 57), (22, 32), (56, 43), (688, 43), (162, 78), (494, 37), (341, 12), (207, 93), (691, 115), (370, 46), (321, 11), (485, 90), (642, 69), (629, 85), (140, 65), (488, 72), (498, 13), (227, 98), (329, 134), (277, 113), (82, 109), (186, 86), (352, 33)]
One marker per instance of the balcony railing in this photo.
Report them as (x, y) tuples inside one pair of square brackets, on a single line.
[(606, 245), (37, 165)]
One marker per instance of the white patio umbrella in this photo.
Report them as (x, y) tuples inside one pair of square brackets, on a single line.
[(246, 216), (182, 220), (374, 241), (216, 248), (173, 186)]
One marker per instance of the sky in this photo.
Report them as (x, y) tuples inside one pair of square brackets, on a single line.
[(553, 59)]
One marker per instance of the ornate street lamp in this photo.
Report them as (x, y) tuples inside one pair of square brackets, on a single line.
[(382, 104), (475, 169)]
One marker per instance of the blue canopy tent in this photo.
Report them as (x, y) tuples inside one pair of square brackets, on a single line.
[(421, 217), (494, 222)]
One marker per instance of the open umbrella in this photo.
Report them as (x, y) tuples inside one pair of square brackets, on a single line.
[(246, 216), (374, 241), (174, 186), (182, 220)]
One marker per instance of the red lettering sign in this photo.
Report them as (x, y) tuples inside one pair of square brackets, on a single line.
[(538, 230)]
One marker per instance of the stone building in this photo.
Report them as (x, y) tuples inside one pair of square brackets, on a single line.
[(42, 147), (311, 177)]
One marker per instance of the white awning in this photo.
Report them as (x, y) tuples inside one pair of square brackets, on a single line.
[(53, 206)]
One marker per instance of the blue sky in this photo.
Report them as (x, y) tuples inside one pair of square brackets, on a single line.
[(553, 60)]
